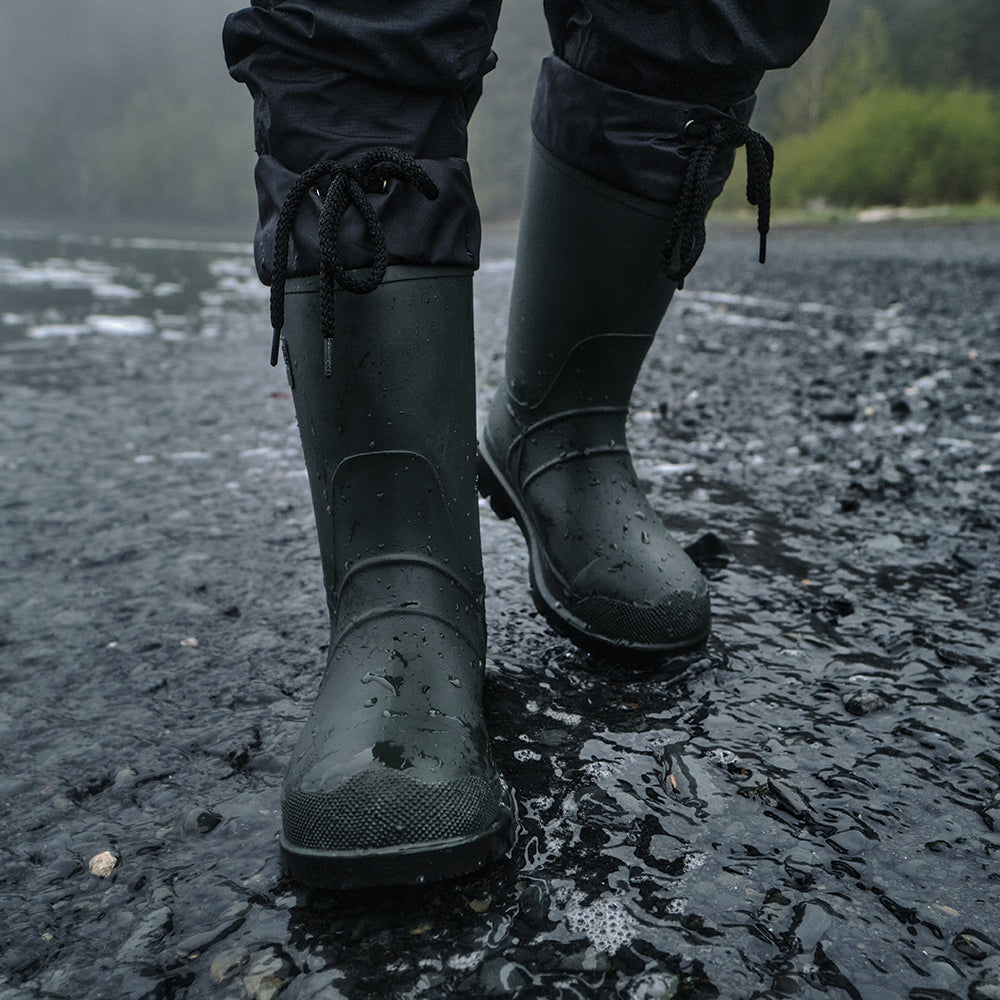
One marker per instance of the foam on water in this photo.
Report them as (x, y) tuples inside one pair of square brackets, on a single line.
[(606, 923), (121, 326), (43, 331)]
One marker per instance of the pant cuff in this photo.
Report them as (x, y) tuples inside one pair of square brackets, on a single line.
[(634, 142)]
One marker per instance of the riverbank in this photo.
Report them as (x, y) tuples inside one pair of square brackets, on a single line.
[(807, 806)]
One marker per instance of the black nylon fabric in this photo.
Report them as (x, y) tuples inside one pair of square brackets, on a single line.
[(634, 142), (707, 51), (331, 80)]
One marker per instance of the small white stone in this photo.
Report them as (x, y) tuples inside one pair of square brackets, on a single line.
[(103, 864)]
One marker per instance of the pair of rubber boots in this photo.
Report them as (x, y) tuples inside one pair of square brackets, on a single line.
[(392, 780)]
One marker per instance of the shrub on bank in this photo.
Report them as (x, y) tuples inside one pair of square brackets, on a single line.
[(895, 147)]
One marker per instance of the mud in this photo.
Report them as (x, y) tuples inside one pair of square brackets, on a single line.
[(808, 806)]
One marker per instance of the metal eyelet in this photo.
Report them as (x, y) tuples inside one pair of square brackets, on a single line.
[(696, 130)]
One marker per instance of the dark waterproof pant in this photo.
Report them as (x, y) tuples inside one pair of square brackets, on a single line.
[(331, 79)]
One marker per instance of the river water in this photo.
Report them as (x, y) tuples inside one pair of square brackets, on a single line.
[(808, 806)]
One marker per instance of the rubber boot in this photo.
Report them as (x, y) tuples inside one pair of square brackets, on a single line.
[(392, 780), (588, 296)]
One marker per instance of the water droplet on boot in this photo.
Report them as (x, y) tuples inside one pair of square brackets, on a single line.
[(645, 537), (370, 702), (455, 682)]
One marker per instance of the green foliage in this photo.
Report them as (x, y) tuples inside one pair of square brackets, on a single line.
[(896, 147), (841, 65), (864, 62)]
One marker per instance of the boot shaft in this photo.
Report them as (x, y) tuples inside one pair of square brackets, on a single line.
[(394, 419), (589, 291)]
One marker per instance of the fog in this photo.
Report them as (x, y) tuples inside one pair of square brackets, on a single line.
[(137, 90), (116, 110)]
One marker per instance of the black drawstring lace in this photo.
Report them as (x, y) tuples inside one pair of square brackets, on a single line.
[(687, 233), (348, 186)]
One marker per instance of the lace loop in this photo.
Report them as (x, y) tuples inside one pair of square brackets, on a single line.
[(349, 186), (687, 232)]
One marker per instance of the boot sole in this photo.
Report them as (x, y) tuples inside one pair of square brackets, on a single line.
[(503, 500), (402, 864)]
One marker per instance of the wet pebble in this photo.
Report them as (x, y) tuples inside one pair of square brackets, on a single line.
[(799, 867), (650, 986), (865, 702), (226, 965), (498, 977), (987, 987), (267, 975), (201, 821), (709, 551), (790, 799), (150, 930), (884, 544), (124, 778), (971, 945), (533, 903), (812, 923), (991, 812), (837, 412), (850, 842), (103, 864)]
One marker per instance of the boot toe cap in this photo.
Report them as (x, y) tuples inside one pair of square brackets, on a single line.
[(382, 808), (679, 620)]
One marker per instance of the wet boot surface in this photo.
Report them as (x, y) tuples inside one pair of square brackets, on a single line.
[(807, 806)]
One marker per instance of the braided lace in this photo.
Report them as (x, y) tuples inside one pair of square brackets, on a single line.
[(687, 233), (349, 185)]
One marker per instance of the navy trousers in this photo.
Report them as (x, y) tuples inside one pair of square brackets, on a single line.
[(331, 79)]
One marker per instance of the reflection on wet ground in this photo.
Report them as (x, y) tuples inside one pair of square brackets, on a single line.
[(808, 806)]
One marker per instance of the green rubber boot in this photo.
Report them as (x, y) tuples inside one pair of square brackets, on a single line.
[(588, 297), (392, 780)]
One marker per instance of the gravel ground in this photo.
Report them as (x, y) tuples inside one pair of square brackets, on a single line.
[(808, 806)]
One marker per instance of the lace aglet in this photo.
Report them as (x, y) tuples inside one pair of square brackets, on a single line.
[(275, 348), (762, 256), (327, 357)]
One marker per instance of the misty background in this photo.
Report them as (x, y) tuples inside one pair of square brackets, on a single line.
[(116, 112)]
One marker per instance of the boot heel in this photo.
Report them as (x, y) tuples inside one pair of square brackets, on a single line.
[(491, 489)]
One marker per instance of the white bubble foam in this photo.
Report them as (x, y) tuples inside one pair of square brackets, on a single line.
[(606, 922)]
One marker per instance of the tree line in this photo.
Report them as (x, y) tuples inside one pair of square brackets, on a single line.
[(126, 112)]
